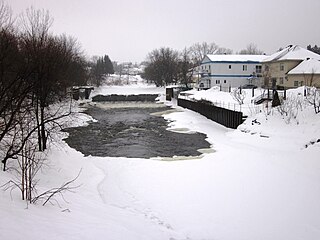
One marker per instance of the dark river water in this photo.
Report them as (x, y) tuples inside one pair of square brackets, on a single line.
[(132, 130)]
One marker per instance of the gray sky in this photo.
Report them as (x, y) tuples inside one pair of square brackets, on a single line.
[(127, 30)]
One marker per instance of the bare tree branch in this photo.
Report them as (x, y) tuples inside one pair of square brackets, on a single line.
[(48, 195)]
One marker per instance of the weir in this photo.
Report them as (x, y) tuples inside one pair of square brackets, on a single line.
[(125, 98)]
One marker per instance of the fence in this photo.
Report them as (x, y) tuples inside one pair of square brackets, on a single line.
[(225, 117), (248, 109)]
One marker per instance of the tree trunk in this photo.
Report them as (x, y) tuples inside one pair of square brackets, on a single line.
[(38, 126), (43, 130), (22, 175)]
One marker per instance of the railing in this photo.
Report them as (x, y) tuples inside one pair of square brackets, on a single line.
[(262, 97), (268, 95)]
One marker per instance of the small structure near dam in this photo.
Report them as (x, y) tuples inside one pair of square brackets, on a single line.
[(81, 92)]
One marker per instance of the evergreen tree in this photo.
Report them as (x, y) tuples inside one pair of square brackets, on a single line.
[(103, 66), (108, 65), (314, 49)]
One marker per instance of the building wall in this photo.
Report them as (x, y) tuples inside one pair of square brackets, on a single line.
[(234, 74), (277, 71), (297, 80)]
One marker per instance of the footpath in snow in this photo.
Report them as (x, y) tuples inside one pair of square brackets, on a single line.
[(261, 182)]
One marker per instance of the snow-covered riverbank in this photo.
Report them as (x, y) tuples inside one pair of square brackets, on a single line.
[(262, 182)]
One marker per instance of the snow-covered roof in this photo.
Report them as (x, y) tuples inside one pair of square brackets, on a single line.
[(234, 58), (308, 66), (292, 52)]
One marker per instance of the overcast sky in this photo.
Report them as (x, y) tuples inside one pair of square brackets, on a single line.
[(127, 30)]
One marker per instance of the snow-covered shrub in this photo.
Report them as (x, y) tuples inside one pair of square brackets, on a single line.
[(290, 108), (238, 95)]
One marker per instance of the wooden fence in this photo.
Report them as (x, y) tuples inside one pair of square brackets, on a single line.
[(225, 117)]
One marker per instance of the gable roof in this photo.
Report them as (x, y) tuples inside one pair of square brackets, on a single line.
[(292, 52), (232, 58), (308, 66)]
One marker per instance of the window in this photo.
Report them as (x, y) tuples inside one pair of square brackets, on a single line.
[(281, 67), (229, 66), (244, 67), (258, 69), (224, 81), (217, 81), (281, 80), (296, 84), (209, 67)]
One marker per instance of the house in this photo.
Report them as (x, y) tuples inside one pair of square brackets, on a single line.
[(307, 73), (276, 67), (228, 71)]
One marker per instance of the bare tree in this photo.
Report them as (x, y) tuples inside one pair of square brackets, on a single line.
[(309, 78), (251, 49), (6, 17), (36, 68), (222, 50), (49, 195), (35, 41), (290, 108), (53, 61), (21, 145), (313, 97), (185, 68), (199, 50), (14, 90), (162, 66)]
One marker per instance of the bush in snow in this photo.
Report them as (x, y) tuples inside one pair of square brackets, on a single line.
[(238, 95), (290, 107)]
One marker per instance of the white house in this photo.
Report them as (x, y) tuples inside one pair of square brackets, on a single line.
[(230, 71)]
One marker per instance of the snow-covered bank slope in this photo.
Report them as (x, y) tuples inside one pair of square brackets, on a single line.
[(262, 182)]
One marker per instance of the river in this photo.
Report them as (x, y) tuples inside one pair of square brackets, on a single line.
[(133, 130)]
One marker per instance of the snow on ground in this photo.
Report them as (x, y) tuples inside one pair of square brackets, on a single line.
[(225, 100), (135, 85), (261, 182)]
